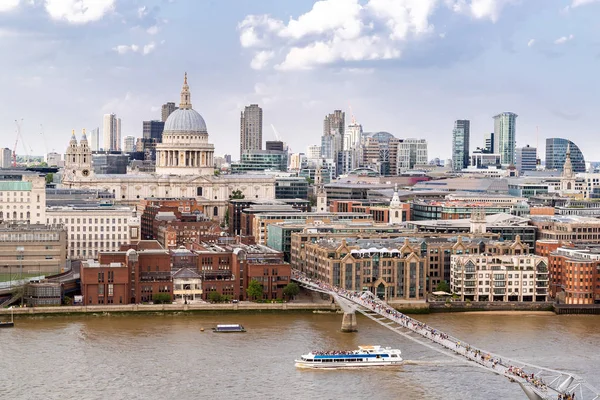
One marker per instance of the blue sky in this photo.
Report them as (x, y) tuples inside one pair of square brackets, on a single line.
[(410, 67)]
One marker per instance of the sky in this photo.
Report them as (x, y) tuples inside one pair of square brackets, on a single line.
[(409, 67)]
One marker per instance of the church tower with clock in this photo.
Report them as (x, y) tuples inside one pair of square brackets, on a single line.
[(78, 157)]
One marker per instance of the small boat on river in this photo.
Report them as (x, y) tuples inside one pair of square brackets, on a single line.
[(365, 356), (231, 328)]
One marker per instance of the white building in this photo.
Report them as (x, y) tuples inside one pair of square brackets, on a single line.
[(95, 139), (5, 158), (129, 144), (91, 229), (297, 161), (111, 133), (23, 200), (185, 168), (411, 152), (487, 277), (54, 159), (313, 152)]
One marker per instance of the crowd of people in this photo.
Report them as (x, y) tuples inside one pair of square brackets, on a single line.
[(333, 353), (370, 301)]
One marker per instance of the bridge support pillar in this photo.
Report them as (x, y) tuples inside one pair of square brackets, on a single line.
[(349, 322)]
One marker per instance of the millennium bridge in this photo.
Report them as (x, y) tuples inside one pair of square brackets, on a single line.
[(538, 383)]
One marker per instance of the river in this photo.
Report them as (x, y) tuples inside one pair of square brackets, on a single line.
[(168, 357)]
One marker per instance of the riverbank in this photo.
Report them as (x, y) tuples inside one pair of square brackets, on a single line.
[(172, 308)]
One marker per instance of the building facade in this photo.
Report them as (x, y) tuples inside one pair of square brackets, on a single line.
[(129, 144), (412, 152), (556, 150), (166, 110), (482, 277), (92, 229), (261, 160), (526, 159), (111, 133), (251, 125), (575, 274), (460, 144), (23, 198), (32, 249), (5, 157), (505, 131)]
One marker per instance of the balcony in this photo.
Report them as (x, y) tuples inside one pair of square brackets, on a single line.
[(155, 276), (499, 283)]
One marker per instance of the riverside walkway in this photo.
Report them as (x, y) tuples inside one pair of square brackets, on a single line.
[(537, 382)]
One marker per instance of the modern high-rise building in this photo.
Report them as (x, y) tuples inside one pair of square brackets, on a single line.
[(332, 140), (556, 150), (166, 110), (251, 122), (526, 158), (5, 158), (95, 139), (489, 143), (151, 135), (411, 152), (313, 152), (379, 151), (129, 144), (274, 145), (505, 131), (111, 133), (460, 144)]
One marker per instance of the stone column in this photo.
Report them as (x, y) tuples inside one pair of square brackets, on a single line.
[(349, 322)]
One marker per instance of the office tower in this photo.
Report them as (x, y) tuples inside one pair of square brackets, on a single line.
[(5, 158), (526, 158), (332, 140), (313, 152), (129, 144), (489, 143), (95, 139), (460, 144), (556, 150), (111, 133), (505, 130), (251, 128), (167, 109), (411, 152)]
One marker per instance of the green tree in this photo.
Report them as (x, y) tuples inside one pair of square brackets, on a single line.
[(236, 195), (255, 290), (291, 289), (443, 286), (161, 298), (309, 180), (217, 172), (215, 297), (49, 178)]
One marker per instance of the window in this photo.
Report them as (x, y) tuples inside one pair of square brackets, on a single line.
[(198, 191)]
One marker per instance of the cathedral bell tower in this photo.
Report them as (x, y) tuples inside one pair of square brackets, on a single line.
[(395, 212), (321, 193), (567, 179)]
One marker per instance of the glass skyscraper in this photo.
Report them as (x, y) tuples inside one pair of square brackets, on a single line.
[(460, 144), (505, 131), (556, 150)]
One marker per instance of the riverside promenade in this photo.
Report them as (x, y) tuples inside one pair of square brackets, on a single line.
[(173, 308)]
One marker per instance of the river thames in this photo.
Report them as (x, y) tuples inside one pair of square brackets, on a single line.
[(168, 357)]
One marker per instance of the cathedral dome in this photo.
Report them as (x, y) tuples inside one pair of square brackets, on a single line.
[(185, 121)]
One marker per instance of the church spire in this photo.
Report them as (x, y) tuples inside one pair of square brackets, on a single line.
[(186, 97)]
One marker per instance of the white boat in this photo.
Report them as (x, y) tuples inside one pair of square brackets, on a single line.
[(365, 356)]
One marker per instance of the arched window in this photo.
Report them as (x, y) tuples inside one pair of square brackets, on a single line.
[(216, 211), (198, 191), (568, 185), (396, 214), (28, 215), (1, 215), (14, 215)]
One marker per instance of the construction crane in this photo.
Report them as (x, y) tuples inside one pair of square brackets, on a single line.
[(14, 153), (275, 132), (44, 137)]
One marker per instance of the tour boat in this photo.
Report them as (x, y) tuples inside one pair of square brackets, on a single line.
[(365, 356), (229, 328)]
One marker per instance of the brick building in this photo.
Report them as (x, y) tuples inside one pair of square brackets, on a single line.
[(150, 207), (136, 273), (575, 275), (236, 208)]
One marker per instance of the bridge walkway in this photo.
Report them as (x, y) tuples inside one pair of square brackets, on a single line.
[(537, 382)]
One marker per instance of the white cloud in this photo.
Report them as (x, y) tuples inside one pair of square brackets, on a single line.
[(564, 39), (142, 11), (336, 31), (79, 11), (8, 5), (134, 48), (149, 48), (153, 30), (261, 59), (531, 43), (578, 3)]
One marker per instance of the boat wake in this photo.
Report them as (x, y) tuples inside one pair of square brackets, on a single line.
[(430, 363)]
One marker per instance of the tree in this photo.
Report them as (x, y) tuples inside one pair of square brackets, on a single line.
[(255, 290), (291, 289), (49, 178), (226, 218), (443, 286), (215, 297), (236, 195), (161, 298)]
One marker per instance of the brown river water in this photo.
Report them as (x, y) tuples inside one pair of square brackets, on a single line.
[(169, 357)]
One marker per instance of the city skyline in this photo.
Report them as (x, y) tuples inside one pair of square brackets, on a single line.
[(103, 58)]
